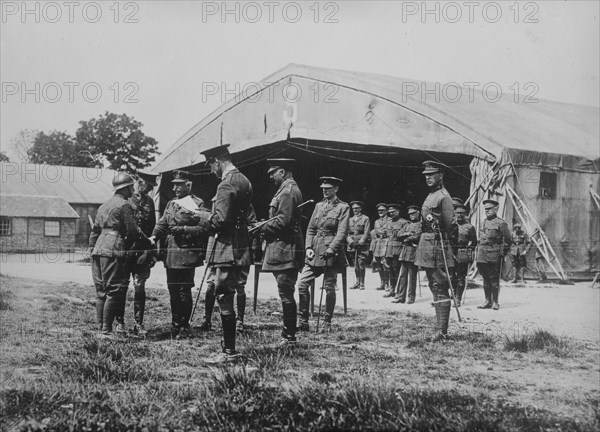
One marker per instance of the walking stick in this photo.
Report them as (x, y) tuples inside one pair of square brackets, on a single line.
[(419, 279), (210, 258), (321, 299), (448, 275), (356, 268)]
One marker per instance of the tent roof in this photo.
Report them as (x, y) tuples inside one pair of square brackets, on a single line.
[(367, 108), (36, 206), (75, 184)]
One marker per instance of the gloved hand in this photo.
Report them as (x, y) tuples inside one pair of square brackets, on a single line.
[(328, 253), (310, 253)]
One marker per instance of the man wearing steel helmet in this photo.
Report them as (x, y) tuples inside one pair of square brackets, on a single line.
[(437, 225), (114, 232)]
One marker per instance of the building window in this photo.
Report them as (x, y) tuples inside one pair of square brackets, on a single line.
[(5, 227), (52, 228), (547, 185)]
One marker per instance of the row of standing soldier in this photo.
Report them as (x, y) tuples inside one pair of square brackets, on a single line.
[(399, 247)]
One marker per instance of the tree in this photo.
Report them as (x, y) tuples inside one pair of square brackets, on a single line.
[(57, 148), (118, 140), (22, 143), (4, 157)]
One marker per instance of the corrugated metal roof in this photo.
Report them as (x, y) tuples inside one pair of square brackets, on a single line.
[(74, 184), (36, 206), (372, 109)]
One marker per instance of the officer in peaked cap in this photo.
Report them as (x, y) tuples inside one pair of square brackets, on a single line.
[(185, 249), (358, 242), (466, 243), (379, 245), (229, 245), (141, 260), (437, 224), (396, 223), (112, 236), (325, 249), (457, 202), (409, 237), (284, 253), (494, 241)]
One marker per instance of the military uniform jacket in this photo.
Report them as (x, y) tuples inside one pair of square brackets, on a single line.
[(467, 240), (494, 240), (145, 217), (328, 228), (438, 205), (183, 250), (358, 228), (115, 230), (229, 219), (380, 233), (519, 243), (394, 244), (285, 243), (409, 242)]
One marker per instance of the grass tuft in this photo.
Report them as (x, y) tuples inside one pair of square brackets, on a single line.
[(542, 340)]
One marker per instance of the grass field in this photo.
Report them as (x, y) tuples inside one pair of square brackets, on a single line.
[(376, 371)]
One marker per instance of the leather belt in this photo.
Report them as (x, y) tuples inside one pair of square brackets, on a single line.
[(325, 234), (110, 231)]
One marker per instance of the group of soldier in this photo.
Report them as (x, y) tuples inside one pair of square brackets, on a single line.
[(126, 241)]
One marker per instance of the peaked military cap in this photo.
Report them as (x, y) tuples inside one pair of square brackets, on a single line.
[(121, 180), (327, 182), (358, 203), (413, 209), (432, 167), (381, 205), (280, 163), (493, 203), (395, 206), (148, 176), (213, 153), (460, 208), (517, 224), (180, 177), (457, 202)]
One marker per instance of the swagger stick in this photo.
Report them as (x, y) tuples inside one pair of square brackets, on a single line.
[(448, 275), (210, 258)]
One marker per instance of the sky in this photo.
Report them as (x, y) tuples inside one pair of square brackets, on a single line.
[(65, 62)]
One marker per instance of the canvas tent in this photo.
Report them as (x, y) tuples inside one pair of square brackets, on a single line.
[(540, 159)]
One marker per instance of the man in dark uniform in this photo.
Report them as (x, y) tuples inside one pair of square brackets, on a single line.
[(467, 240), (494, 241), (284, 254), (325, 243), (142, 260), (395, 225), (185, 250), (113, 234), (358, 242), (228, 223), (409, 235), (437, 220), (518, 252), (379, 235)]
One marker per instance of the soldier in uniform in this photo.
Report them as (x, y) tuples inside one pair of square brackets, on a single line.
[(228, 224), (113, 234), (395, 225), (467, 240), (142, 260), (358, 242), (409, 235), (380, 242), (494, 241), (185, 249), (325, 243), (518, 252), (284, 253), (437, 220)]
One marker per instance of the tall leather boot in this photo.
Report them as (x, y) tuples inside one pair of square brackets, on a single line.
[(139, 302), (488, 295), (289, 321), (495, 293), (362, 278), (175, 301), (209, 305), (241, 311), (304, 303), (100, 312), (329, 306), (112, 307), (386, 279), (228, 323), (381, 287)]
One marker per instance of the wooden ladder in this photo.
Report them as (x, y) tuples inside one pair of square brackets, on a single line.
[(537, 235)]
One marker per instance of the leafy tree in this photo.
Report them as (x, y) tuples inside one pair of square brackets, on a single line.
[(57, 148), (3, 157), (118, 140)]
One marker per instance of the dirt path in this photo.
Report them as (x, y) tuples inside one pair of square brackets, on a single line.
[(566, 310)]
